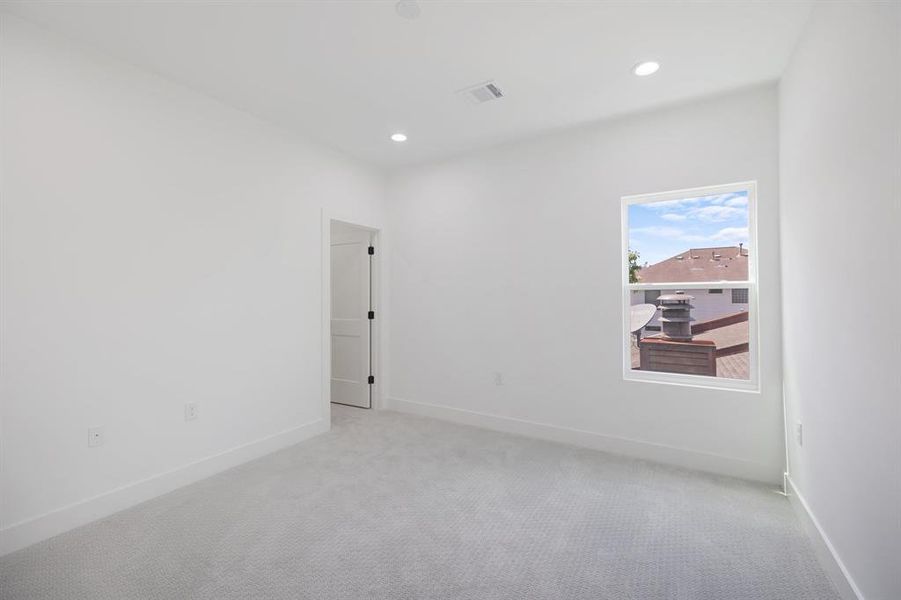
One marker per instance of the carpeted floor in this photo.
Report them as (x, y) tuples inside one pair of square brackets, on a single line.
[(393, 506)]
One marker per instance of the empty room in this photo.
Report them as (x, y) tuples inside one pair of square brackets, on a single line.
[(401, 300)]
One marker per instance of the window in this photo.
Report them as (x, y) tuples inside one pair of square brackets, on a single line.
[(739, 295), (689, 287)]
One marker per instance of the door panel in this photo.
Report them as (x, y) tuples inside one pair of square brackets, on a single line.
[(350, 326)]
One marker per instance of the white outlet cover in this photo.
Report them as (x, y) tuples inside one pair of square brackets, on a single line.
[(190, 411), (95, 436)]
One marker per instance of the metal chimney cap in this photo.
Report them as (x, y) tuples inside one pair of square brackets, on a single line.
[(677, 297)]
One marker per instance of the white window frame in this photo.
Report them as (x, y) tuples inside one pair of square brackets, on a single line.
[(753, 383)]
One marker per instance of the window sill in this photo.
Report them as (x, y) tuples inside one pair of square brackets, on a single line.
[(694, 381)]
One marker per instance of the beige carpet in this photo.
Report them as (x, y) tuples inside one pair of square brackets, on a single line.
[(391, 506)]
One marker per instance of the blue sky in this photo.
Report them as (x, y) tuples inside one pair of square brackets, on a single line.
[(659, 230)]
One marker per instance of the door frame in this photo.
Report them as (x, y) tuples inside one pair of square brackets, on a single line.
[(377, 305)]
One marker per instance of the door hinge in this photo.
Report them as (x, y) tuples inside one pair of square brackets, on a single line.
[(371, 315), (371, 379), (372, 250)]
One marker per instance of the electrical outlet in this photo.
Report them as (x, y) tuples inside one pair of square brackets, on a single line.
[(95, 436), (190, 411), (799, 434), (498, 378)]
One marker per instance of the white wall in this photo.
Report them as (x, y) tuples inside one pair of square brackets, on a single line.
[(157, 248), (840, 102), (508, 261)]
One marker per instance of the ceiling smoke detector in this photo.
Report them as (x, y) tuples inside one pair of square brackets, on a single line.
[(483, 92), (408, 9)]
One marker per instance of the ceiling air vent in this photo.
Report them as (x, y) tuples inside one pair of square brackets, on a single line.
[(483, 92)]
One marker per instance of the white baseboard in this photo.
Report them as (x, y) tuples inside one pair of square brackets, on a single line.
[(24, 533), (829, 559), (681, 457)]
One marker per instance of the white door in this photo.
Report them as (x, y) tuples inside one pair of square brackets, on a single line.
[(351, 333)]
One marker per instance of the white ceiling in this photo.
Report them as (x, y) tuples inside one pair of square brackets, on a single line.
[(350, 73)]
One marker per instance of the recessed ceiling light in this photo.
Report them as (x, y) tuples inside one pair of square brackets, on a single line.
[(643, 69), (399, 137), (408, 9)]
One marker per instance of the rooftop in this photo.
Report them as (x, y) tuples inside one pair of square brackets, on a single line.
[(731, 339), (721, 263)]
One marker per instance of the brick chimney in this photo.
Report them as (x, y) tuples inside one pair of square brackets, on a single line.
[(675, 350)]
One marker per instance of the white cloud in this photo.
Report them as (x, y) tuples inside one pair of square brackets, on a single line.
[(728, 235), (668, 205), (731, 235), (662, 231), (716, 213), (657, 231), (737, 201), (709, 209)]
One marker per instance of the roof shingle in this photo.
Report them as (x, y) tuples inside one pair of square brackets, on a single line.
[(721, 263)]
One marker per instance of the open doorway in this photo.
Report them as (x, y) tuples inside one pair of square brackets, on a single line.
[(352, 314)]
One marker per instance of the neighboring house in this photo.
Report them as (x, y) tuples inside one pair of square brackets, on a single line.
[(728, 263)]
